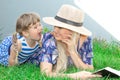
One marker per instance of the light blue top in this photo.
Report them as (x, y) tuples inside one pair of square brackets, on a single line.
[(24, 55)]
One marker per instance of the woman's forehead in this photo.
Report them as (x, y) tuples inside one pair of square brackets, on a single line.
[(57, 27)]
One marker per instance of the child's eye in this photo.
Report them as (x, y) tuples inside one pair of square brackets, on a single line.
[(40, 24), (35, 27)]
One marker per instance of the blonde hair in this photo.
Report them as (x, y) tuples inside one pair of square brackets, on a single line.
[(25, 20), (62, 59)]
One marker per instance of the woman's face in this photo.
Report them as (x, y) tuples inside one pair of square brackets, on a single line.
[(62, 33)]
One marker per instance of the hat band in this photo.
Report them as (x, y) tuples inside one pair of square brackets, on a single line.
[(68, 21)]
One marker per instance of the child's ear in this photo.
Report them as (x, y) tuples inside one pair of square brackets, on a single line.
[(25, 33)]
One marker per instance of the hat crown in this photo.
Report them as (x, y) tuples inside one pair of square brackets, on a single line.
[(69, 17), (71, 13)]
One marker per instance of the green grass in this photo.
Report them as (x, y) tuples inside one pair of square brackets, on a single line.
[(105, 54)]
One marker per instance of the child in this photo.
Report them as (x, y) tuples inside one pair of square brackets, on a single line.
[(18, 48)]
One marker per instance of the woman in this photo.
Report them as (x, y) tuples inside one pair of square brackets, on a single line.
[(68, 43)]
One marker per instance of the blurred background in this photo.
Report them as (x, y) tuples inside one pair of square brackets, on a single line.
[(10, 10)]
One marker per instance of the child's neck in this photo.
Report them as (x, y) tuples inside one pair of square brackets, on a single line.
[(30, 42)]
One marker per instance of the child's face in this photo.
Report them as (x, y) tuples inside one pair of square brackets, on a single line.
[(35, 31)]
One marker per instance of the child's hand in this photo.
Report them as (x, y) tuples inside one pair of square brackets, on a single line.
[(14, 42), (13, 51)]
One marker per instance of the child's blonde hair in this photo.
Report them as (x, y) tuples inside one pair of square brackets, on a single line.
[(62, 59), (25, 20)]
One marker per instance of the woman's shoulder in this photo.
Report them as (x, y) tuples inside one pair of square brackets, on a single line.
[(47, 36), (48, 40), (88, 39)]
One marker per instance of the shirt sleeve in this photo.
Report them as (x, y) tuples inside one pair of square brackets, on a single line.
[(49, 51), (86, 52)]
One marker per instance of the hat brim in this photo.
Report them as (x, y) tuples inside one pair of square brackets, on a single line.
[(78, 29)]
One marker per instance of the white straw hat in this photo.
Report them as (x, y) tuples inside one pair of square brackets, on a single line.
[(69, 17)]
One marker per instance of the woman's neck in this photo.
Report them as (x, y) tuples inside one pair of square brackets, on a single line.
[(82, 40)]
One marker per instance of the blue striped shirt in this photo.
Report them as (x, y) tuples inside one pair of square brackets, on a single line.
[(26, 50)]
